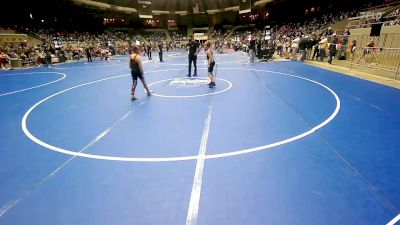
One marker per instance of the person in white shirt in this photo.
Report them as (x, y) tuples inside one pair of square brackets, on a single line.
[(295, 47)]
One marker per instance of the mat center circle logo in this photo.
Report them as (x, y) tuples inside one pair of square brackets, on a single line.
[(189, 82)]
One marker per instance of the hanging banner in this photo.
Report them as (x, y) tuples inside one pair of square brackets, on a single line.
[(145, 10), (244, 6)]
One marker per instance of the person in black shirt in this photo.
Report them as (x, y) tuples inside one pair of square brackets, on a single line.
[(193, 50), (160, 51), (149, 51), (303, 48), (315, 45), (259, 49), (332, 52), (47, 59), (88, 54), (332, 48), (252, 49)]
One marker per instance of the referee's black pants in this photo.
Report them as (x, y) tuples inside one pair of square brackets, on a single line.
[(192, 58), (160, 55)]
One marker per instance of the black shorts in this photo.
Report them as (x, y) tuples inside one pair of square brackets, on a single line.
[(136, 75), (211, 67)]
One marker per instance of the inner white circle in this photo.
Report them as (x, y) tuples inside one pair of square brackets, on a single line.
[(190, 96), (87, 67), (185, 64), (106, 64), (30, 88), (182, 158)]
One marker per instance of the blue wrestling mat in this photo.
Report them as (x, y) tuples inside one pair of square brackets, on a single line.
[(272, 143)]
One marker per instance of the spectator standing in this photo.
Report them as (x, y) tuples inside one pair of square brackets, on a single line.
[(149, 51), (160, 51), (252, 49), (88, 54)]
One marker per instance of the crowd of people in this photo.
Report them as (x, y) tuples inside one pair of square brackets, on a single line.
[(313, 39), (178, 35), (295, 41), (155, 36), (291, 41), (368, 19), (393, 18), (58, 47), (219, 33)]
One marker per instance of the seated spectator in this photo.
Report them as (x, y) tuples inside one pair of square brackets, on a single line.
[(5, 61), (369, 47), (346, 32)]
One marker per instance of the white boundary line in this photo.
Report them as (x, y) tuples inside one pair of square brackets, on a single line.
[(185, 64), (178, 56), (185, 55), (169, 159), (14, 202), (194, 202), (41, 85), (190, 96), (394, 220), (87, 67)]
